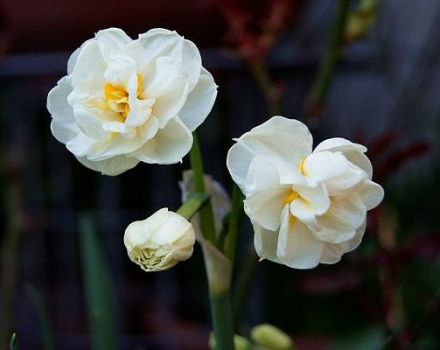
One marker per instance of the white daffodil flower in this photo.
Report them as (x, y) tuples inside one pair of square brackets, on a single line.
[(160, 241), (127, 101), (306, 207), (221, 203)]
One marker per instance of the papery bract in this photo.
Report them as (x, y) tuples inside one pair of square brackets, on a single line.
[(221, 203), (124, 101), (160, 241), (306, 207)]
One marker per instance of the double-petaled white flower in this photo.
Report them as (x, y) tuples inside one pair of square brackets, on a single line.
[(125, 101), (160, 241), (306, 207)]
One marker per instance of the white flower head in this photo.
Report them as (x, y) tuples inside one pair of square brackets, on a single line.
[(160, 241), (127, 101), (306, 207)]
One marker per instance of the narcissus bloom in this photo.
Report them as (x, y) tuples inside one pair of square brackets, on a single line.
[(124, 101), (160, 241), (306, 207)]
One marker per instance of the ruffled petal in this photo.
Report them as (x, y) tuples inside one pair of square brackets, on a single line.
[(169, 145), (199, 101), (265, 243), (371, 194), (279, 137), (88, 73), (112, 166), (354, 152), (332, 253), (112, 41), (297, 246), (63, 124), (161, 42)]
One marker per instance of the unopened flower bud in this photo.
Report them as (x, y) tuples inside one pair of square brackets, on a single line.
[(271, 337), (160, 241)]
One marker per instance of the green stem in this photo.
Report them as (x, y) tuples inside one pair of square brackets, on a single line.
[(215, 261), (193, 204), (266, 85), (221, 317), (234, 218), (319, 89), (243, 283), (206, 213)]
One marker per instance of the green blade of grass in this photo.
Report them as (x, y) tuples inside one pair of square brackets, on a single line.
[(42, 316), (13, 343), (98, 286)]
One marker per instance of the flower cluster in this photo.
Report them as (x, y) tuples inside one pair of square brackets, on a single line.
[(127, 101), (306, 207)]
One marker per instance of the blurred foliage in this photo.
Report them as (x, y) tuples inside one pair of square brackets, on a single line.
[(43, 317), (98, 287)]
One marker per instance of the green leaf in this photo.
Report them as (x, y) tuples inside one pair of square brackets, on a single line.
[(43, 318), (98, 287), (193, 204), (13, 343)]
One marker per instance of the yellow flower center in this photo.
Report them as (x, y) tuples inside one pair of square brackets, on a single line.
[(117, 97), (290, 197), (301, 167)]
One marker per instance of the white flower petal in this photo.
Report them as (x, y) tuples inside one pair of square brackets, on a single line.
[(325, 165), (161, 42), (265, 243), (112, 166), (371, 194), (63, 124), (169, 145), (332, 253), (88, 73), (279, 137), (82, 146), (120, 70), (112, 41), (297, 246), (354, 152), (90, 125), (148, 130), (199, 101), (316, 198), (171, 230), (336, 143)]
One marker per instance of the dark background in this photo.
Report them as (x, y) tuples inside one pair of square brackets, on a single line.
[(385, 93)]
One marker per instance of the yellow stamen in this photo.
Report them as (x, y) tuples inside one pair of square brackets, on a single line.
[(140, 88), (290, 197), (292, 220), (301, 167), (117, 97)]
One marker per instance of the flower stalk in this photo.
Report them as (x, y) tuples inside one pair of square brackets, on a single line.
[(193, 204), (330, 58), (234, 218), (218, 267), (206, 213)]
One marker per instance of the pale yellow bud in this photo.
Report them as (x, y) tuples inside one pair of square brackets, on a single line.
[(160, 241), (240, 343), (271, 337)]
